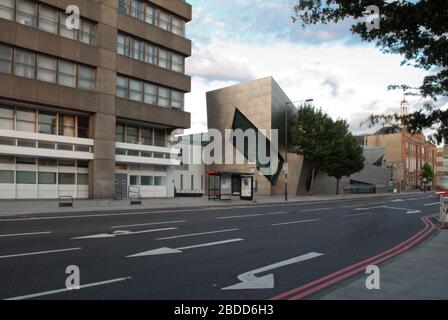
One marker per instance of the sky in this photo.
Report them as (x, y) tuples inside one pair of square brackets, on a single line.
[(241, 40)]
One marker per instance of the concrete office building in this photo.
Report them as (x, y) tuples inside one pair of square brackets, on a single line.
[(88, 113)]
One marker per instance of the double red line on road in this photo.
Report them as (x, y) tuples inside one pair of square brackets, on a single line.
[(338, 276)]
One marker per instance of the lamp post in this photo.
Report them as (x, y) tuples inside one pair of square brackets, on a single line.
[(286, 140)]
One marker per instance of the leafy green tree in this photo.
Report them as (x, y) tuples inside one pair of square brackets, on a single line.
[(427, 174)]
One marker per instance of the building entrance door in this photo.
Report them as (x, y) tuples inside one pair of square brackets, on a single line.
[(236, 184), (121, 185)]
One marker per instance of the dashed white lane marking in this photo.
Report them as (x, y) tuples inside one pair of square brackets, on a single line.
[(276, 213), (89, 285), (358, 215), (318, 209), (149, 224), (197, 234), (431, 204), (241, 216), (120, 233), (23, 234), (37, 253), (294, 222)]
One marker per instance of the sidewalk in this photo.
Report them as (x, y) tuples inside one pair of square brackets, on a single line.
[(420, 274), (19, 207)]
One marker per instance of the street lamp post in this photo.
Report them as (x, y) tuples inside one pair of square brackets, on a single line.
[(286, 141)]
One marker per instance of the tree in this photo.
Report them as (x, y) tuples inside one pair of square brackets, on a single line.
[(427, 174), (328, 145), (417, 30)]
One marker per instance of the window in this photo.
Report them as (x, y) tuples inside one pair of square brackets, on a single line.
[(159, 138), (177, 99), (7, 9), (47, 162), (87, 32), (5, 59), (164, 59), (66, 178), (122, 7), (25, 177), (160, 181), (150, 54), (67, 163), (135, 90), (46, 178), (146, 136), (47, 123), (26, 12), (123, 45), (7, 160), (164, 97), (137, 50), (119, 133), (24, 63), (178, 26), (132, 135), (177, 63), (66, 125), (63, 31), (83, 127), (165, 21), (83, 179), (48, 19), (150, 15), (137, 9), (67, 74), (25, 121), (150, 94), (6, 176), (46, 68), (26, 161), (46, 145), (6, 118), (147, 181), (122, 87), (86, 77), (134, 181)]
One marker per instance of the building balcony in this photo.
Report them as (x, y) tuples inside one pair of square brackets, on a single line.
[(143, 154)]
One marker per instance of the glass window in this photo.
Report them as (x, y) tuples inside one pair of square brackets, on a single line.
[(147, 136), (132, 135), (83, 164), (66, 147), (160, 181), (26, 143), (86, 77), (137, 9), (46, 145), (137, 49), (123, 45), (6, 118), (150, 54), (67, 73), (20, 160), (7, 9), (164, 59), (122, 6), (46, 178), (63, 31), (6, 176), (48, 19), (122, 87), (165, 21), (47, 123), (25, 177), (164, 97), (134, 181), (119, 133), (66, 178), (159, 138), (147, 181), (67, 163), (150, 94), (46, 68), (135, 90), (87, 32), (150, 15), (25, 120), (83, 127), (179, 26), (24, 63), (177, 63), (7, 160), (66, 125), (26, 13), (83, 179), (5, 59), (177, 99)]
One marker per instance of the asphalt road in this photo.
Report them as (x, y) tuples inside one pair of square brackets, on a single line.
[(256, 252)]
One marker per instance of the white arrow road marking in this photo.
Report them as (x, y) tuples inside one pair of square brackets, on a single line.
[(89, 285), (249, 281), (148, 224), (23, 234), (382, 207), (162, 251), (37, 253), (120, 233), (197, 234), (294, 222)]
